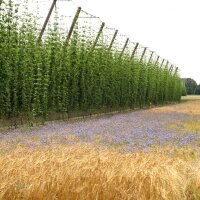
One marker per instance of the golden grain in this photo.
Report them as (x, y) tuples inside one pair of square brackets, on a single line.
[(80, 172)]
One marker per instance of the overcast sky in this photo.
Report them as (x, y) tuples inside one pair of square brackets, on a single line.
[(169, 27)]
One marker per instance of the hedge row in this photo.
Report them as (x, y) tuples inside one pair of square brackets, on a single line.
[(50, 76)]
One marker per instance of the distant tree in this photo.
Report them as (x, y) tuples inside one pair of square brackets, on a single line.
[(190, 85), (198, 90)]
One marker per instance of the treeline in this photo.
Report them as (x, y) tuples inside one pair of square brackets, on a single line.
[(37, 78), (191, 86)]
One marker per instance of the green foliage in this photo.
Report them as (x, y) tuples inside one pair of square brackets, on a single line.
[(184, 92), (198, 90), (52, 76), (190, 85)]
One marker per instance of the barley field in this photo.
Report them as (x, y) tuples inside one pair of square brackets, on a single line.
[(147, 154)]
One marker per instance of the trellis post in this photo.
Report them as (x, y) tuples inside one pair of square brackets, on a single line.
[(167, 64), (171, 68), (134, 50), (73, 25), (176, 70), (143, 53), (157, 60), (46, 20), (162, 62), (113, 39), (96, 39), (98, 36), (125, 45), (150, 57)]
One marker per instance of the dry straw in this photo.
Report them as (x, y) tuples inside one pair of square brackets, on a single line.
[(84, 173)]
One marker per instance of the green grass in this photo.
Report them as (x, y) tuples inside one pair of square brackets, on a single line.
[(190, 97)]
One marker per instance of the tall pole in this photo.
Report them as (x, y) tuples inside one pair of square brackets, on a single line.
[(157, 60), (141, 59), (73, 24), (134, 50), (113, 39), (167, 64), (96, 39), (150, 57), (46, 20), (162, 62), (125, 45), (171, 68), (98, 36)]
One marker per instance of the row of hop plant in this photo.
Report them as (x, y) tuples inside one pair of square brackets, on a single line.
[(37, 78)]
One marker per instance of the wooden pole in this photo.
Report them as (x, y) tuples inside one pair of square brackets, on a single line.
[(157, 60), (96, 40), (125, 45), (46, 20), (113, 39), (141, 59), (150, 57), (171, 68), (167, 64), (134, 50), (162, 62), (98, 35), (73, 25)]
